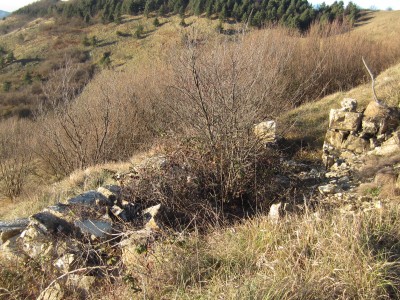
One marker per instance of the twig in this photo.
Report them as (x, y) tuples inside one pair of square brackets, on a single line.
[(373, 81)]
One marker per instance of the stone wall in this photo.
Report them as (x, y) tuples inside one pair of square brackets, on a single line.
[(353, 132)]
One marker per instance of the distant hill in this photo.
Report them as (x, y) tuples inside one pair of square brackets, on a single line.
[(3, 13)]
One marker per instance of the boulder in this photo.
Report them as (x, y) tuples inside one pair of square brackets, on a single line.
[(37, 243), (344, 121), (134, 248), (376, 111), (10, 229), (349, 104), (6, 235), (50, 223), (10, 250), (356, 144), (266, 131)]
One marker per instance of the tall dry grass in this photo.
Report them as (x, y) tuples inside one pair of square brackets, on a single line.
[(324, 255)]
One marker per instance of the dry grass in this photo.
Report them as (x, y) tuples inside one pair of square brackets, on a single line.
[(324, 255)]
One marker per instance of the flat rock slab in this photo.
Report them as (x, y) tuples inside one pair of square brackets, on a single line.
[(90, 198), (99, 229), (14, 224)]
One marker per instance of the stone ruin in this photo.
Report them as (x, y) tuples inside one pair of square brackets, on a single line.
[(355, 133)]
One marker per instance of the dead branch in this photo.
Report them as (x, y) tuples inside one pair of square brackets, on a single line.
[(373, 81)]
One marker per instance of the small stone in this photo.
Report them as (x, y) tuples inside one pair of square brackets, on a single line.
[(275, 212), (266, 131), (64, 263), (328, 189), (151, 217), (54, 292), (119, 213)]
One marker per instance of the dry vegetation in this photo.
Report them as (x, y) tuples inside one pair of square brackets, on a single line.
[(198, 105), (318, 255)]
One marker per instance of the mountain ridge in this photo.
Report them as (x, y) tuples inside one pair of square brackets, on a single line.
[(4, 13)]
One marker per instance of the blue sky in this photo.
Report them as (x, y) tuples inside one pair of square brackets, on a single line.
[(11, 5), (379, 4)]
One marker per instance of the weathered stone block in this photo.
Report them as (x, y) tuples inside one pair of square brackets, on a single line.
[(335, 138), (369, 127), (344, 121), (389, 147), (356, 144)]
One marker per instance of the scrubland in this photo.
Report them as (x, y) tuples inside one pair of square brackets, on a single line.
[(197, 104)]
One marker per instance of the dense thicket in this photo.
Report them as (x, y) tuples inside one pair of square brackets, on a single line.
[(293, 13)]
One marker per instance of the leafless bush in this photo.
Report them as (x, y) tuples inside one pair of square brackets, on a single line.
[(102, 124), (219, 92), (15, 157)]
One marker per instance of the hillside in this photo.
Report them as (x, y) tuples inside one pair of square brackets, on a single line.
[(40, 41), (182, 159)]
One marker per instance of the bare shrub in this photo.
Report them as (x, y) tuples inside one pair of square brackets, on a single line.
[(219, 91), (199, 188), (100, 125), (15, 157)]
